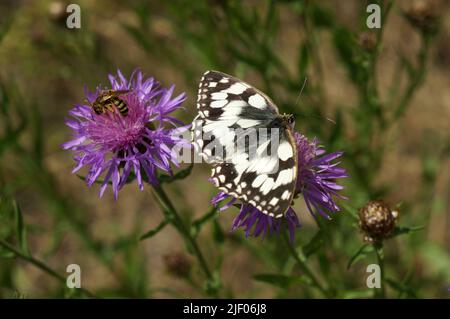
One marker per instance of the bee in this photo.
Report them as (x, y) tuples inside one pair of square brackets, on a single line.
[(109, 100)]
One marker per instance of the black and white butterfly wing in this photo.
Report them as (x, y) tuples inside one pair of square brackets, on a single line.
[(262, 172), (225, 104)]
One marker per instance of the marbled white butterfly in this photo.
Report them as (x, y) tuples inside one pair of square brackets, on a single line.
[(263, 171)]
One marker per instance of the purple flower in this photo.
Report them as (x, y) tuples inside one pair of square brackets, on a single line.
[(141, 142), (316, 180)]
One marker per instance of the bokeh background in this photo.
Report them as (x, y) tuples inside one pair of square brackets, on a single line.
[(386, 90)]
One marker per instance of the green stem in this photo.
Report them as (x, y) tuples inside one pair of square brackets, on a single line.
[(175, 219), (380, 259), (300, 258), (415, 80), (42, 266), (311, 42)]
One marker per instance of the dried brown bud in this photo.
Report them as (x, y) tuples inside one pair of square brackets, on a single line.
[(377, 221), (367, 41), (57, 11), (177, 264), (423, 15)]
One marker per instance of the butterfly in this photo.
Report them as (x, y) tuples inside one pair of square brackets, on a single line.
[(258, 168)]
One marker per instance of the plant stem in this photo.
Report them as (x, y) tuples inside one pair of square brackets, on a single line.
[(42, 266), (300, 258), (380, 259), (175, 219), (416, 78)]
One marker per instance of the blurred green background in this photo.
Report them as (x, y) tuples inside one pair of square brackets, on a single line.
[(386, 90)]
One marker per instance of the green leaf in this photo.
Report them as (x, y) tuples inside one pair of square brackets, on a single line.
[(361, 253), (344, 42), (218, 234), (352, 294), (179, 175), (5, 27), (337, 129), (198, 223), (5, 254), (321, 17), (281, 281), (436, 259), (213, 285), (405, 230), (314, 244), (138, 36), (303, 59), (154, 231), (38, 143), (401, 288), (352, 211), (21, 229)]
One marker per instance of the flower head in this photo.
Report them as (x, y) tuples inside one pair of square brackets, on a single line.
[(377, 220), (140, 142), (316, 181)]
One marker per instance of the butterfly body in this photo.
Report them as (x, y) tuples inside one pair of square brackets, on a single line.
[(250, 145)]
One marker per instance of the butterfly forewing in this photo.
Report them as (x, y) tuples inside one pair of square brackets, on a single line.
[(254, 159)]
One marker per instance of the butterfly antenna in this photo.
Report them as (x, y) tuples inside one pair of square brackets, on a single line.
[(298, 99), (301, 91)]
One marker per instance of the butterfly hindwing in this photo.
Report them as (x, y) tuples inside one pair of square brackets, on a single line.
[(225, 104), (270, 191)]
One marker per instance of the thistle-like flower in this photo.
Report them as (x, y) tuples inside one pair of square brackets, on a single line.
[(138, 143), (316, 181)]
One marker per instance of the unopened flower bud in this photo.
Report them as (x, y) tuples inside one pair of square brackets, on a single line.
[(177, 264), (423, 15), (57, 11), (367, 41), (377, 221)]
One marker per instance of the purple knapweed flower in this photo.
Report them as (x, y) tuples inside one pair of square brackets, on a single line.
[(141, 142), (316, 181)]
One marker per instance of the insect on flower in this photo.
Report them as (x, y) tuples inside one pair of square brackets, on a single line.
[(261, 173), (110, 100), (269, 171), (137, 142)]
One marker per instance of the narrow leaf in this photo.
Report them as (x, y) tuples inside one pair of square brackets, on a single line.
[(401, 288), (20, 229), (281, 281), (6, 254), (154, 231), (179, 175), (352, 211), (218, 234), (405, 230), (352, 294), (303, 59), (314, 244), (360, 254), (198, 223)]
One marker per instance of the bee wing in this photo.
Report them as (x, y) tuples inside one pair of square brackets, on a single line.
[(107, 95), (117, 92)]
